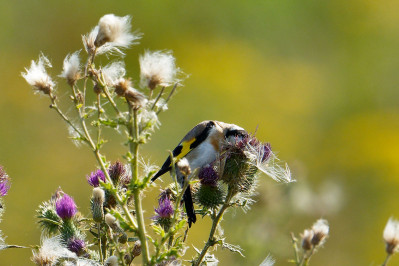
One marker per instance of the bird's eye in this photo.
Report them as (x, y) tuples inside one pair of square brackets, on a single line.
[(210, 124)]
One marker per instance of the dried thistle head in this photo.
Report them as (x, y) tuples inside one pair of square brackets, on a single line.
[(320, 232), (391, 236), (50, 251), (115, 30), (307, 236), (71, 68), (123, 87), (158, 68), (110, 35), (37, 75), (113, 72)]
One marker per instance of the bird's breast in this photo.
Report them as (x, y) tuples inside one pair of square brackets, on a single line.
[(204, 154)]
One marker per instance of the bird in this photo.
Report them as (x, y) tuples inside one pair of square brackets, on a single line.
[(200, 146)]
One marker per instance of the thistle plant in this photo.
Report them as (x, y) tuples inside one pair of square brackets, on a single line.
[(105, 99)]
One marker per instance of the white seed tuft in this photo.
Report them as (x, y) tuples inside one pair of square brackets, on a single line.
[(391, 236), (113, 72), (158, 68), (37, 75), (50, 251), (71, 68)]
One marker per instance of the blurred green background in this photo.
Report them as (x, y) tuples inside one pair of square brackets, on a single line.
[(318, 77)]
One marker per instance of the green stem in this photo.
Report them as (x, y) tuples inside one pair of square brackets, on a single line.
[(134, 149), (215, 223), (101, 80), (65, 118), (158, 97), (169, 96), (170, 234), (296, 251), (116, 195), (99, 243), (98, 117), (386, 260), (306, 257), (113, 241)]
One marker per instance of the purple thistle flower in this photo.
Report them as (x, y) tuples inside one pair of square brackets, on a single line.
[(95, 177), (165, 209), (4, 187), (208, 176), (76, 245), (4, 182), (65, 207)]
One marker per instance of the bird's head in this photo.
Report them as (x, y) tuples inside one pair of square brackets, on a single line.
[(232, 133)]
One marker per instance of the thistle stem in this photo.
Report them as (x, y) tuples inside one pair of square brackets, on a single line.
[(120, 253), (98, 117), (134, 149), (306, 257), (108, 95), (158, 97), (65, 118), (386, 260), (169, 96), (216, 220), (296, 251), (99, 243)]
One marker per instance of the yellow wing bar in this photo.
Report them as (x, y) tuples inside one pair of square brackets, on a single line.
[(185, 148)]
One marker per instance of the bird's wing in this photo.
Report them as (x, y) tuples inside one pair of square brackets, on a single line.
[(191, 140)]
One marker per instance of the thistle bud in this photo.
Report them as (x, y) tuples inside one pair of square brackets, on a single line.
[(209, 194), (97, 88), (136, 249), (97, 204), (116, 171), (111, 221), (110, 200)]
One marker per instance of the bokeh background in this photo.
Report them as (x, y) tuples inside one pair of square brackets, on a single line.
[(318, 77)]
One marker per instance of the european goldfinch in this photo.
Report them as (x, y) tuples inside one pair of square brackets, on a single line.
[(200, 147)]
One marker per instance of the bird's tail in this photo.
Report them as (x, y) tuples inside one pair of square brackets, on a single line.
[(188, 203)]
